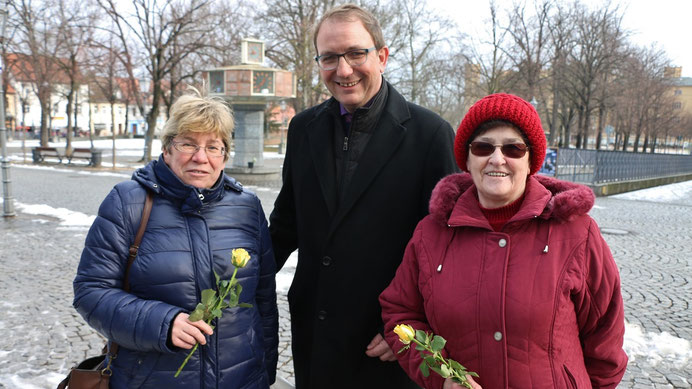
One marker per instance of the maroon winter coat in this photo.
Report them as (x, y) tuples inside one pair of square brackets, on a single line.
[(535, 305)]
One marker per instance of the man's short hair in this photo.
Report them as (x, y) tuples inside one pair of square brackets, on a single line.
[(351, 13), (195, 113)]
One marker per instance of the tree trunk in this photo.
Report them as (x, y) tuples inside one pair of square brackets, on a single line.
[(69, 129), (45, 119), (113, 130), (601, 123), (151, 130)]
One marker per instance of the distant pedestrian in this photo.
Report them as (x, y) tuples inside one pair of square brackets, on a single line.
[(509, 268), (358, 174), (199, 216)]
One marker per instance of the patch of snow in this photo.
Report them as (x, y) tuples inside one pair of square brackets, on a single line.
[(655, 347)]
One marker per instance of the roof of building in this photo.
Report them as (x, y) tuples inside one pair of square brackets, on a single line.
[(22, 68)]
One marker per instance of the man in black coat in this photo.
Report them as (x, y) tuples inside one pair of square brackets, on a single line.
[(357, 178)]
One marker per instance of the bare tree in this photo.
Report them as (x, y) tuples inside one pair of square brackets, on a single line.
[(420, 36), (446, 82), (643, 105), (599, 38), (75, 31), (38, 40), (106, 70), (527, 47), (560, 30), (155, 27), (287, 27), (490, 68)]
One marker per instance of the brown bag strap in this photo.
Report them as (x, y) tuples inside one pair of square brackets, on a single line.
[(146, 211)]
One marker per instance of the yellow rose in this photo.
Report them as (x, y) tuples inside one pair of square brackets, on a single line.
[(239, 257), (406, 333)]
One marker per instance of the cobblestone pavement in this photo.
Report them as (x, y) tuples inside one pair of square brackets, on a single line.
[(44, 336), (652, 247)]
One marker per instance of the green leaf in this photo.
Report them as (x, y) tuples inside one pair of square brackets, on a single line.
[(197, 314), (216, 313), (424, 369), (430, 360), (455, 365), (238, 289), (223, 284), (245, 305), (208, 297), (216, 276), (438, 343), (438, 371), (421, 336), (419, 347), (233, 299)]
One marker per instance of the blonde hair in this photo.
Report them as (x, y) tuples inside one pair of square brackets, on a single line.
[(194, 113), (351, 13)]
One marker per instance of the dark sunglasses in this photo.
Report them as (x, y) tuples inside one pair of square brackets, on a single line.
[(510, 150)]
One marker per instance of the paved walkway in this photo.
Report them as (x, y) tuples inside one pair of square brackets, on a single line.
[(44, 336)]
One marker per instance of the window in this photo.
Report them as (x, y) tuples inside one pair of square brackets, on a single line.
[(677, 105), (216, 81), (678, 92)]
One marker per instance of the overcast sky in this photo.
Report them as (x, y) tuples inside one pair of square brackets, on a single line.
[(668, 22)]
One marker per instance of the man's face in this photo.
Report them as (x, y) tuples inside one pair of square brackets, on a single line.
[(352, 86)]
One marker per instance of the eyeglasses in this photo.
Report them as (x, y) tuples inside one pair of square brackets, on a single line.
[(353, 58), (191, 148), (509, 150)]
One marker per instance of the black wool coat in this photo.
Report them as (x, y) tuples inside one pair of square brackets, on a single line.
[(348, 252)]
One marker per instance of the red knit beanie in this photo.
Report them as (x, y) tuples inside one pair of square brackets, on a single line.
[(503, 106)]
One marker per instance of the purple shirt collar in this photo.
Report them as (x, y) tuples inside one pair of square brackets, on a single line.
[(348, 116)]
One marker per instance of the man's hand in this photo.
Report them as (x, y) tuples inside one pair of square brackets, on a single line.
[(378, 347), (185, 333)]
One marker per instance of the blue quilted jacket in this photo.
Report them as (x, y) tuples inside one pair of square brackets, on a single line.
[(190, 235)]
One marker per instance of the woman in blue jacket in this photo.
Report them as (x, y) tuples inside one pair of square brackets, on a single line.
[(199, 216)]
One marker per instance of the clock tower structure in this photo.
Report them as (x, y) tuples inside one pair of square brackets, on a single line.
[(250, 88)]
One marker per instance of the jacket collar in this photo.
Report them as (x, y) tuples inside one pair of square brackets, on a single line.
[(159, 178), (454, 202), (385, 140)]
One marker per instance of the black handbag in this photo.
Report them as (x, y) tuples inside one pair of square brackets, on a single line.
[(95, 372)]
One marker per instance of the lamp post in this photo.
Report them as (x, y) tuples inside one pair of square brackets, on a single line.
[(24, 97), (8, 201)]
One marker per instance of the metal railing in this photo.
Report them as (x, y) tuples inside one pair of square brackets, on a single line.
[(598, 166)]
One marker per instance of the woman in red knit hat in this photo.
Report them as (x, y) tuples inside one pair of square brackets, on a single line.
[(509, 267)]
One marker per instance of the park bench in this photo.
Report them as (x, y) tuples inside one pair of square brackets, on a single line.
[(79, 153), (39, 154)]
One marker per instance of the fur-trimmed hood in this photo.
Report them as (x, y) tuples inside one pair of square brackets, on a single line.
[(565, 200)]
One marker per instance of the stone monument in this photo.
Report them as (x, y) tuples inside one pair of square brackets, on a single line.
[(248, 88)]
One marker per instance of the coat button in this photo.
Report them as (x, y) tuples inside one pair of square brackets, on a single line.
[(322, 315), (326, 261), (498, 336), (502, 243)]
